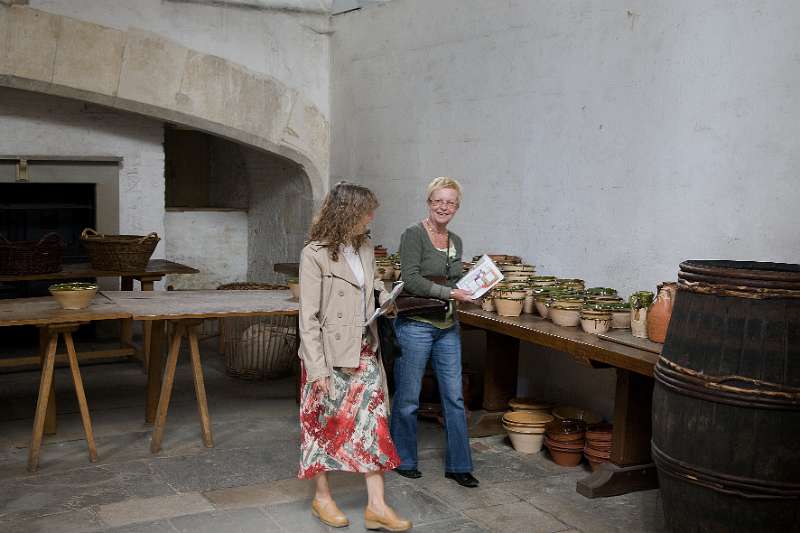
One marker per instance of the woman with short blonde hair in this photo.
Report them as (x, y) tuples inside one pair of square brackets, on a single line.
[(430, 258)]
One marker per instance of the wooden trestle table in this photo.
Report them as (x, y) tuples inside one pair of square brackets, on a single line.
[(155, 270), (53, 322), (186, 309), (631, 467)]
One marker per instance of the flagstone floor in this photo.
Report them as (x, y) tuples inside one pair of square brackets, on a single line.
[(247, 481)]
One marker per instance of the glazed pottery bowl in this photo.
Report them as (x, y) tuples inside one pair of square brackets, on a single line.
[(508, 306), (621, 318), (73, 296), (595, 322), (565, 458), (564, 316), (528, 418), (528, 305), (541, 307), (526, 442), (601, 291), (488, 304)]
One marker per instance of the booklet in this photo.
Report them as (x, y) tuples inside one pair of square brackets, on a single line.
[(481, 278), (382, 310)]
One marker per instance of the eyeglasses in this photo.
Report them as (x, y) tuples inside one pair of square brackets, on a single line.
[(445, 203)]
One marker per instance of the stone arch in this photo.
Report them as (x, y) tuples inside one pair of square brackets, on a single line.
[(144, 73)]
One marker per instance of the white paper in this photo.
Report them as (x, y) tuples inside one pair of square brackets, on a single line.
[(383, 309), (481, 278)]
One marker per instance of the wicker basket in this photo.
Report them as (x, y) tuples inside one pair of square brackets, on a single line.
[(119, 253), (31, 257), (258, 348)]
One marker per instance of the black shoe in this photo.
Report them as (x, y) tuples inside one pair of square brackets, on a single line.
[(412, 473), (464, 479)]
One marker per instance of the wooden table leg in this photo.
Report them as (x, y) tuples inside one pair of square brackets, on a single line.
[(631, 468), (199, 385), (126, 324), (45, 384), (154, 369), (499, 384), (166, 388), (79, 392), (147, 285), (50, 420)]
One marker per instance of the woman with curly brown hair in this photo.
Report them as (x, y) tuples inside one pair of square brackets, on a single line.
[(343, 405)]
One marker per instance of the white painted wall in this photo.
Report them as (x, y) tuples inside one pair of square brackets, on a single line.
[(214, 242), (607, 142), (290, 46), (37, 124)]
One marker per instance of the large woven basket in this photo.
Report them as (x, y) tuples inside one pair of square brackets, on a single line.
[(120, 253), (31, 257), (258, 348)]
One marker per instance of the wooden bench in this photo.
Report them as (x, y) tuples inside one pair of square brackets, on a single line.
[(631, 467)]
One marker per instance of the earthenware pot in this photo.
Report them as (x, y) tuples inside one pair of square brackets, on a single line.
[(564, 315), (506, 306), (640, 301), (488, 304), (74, 295), (294, 287), (659, 313), (595, 322)]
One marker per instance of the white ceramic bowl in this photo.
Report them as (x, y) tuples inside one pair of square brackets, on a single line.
[(595, 325), (526, 442), (564, 317), (542, 308), (621, 319), (508, 306)]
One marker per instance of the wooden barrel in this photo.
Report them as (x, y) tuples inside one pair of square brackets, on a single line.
[(726, 403)]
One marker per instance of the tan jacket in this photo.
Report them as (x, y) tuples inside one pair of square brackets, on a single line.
[(331, 317)]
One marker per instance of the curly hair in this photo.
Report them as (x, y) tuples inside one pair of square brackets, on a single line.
[(342, 209)]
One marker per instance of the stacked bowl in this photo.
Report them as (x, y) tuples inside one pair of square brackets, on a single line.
[(526, 429), (566, 439), (530, 404), (598, 444)]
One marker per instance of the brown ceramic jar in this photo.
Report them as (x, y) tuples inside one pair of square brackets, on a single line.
[(659, 313)]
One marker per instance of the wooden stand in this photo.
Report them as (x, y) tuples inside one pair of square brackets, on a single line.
[(631, 468), (186, 327), (44, 407)]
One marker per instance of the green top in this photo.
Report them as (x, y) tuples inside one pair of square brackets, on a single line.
[(420, 258)]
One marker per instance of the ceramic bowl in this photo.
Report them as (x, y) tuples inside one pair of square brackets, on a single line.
[(73, 296), (621, 319), (564, 316), (526, 442), (536, 418), (488, 304), (528, 306), (562, 458), (595, 321), (508, 306), (541, 307)]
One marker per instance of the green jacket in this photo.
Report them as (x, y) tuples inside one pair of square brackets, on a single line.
[(419, 258)]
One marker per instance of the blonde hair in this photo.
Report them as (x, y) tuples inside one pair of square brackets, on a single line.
[(343, 207), (444, 182)]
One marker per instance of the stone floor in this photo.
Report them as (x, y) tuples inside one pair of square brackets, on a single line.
[(246, 482)]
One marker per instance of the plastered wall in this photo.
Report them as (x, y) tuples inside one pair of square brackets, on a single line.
[(602, 140)]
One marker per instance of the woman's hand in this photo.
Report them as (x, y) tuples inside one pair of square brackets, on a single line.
[(322, 386), (461, 295)]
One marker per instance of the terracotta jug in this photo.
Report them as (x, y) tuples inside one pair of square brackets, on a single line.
[(659, 313)]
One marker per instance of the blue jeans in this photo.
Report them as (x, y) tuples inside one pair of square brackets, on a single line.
[(418, 343)]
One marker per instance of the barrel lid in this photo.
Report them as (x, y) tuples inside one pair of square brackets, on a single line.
[(756, 274)]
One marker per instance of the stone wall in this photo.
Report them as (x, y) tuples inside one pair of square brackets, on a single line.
[(37, 124), (140, 70), (608, 143)]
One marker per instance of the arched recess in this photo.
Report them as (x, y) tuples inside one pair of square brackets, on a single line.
[(144, 73)]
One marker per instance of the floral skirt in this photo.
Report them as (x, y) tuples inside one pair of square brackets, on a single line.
[(348, 429)]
